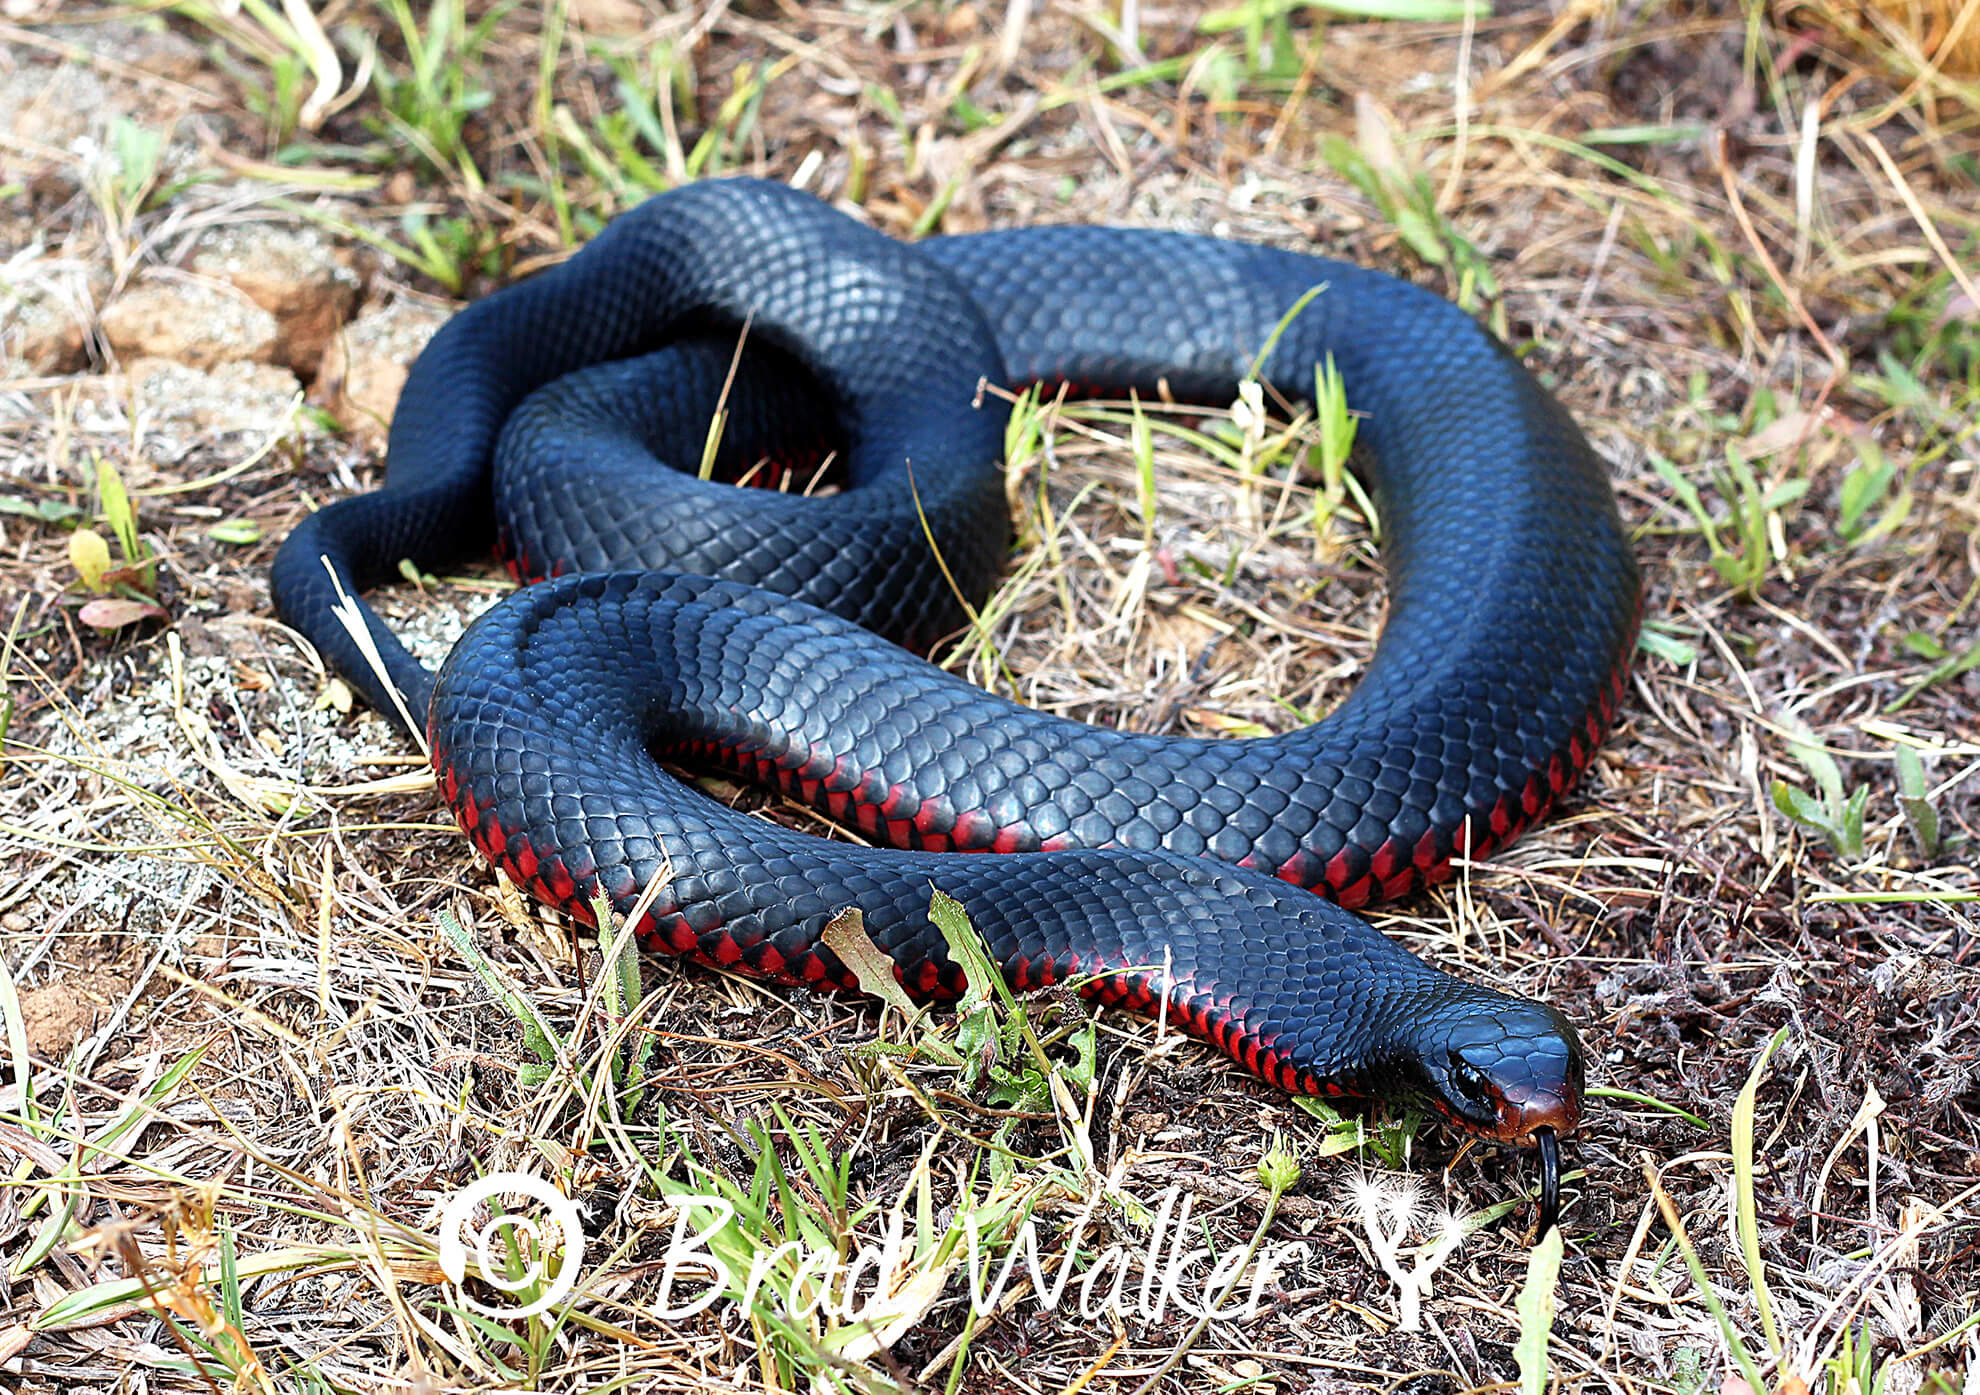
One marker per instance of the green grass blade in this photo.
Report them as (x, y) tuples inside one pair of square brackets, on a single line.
[(1749, 1224)]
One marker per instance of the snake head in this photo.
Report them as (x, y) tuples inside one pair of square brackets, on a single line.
[(1504, 1070)]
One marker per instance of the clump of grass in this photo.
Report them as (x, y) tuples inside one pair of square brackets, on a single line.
[(424, 106), (1828, 811), (1742, 539), (121, 593)]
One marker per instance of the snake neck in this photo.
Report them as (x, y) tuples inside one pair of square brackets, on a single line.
[(1493, 1066)]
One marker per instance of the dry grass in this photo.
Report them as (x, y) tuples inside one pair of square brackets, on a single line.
[(257, 1069)]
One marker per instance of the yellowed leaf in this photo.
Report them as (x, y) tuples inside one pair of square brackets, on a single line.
[(846, 937), (90, 556)]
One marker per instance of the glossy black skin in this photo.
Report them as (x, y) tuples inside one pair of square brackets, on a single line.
[(1513, 602)]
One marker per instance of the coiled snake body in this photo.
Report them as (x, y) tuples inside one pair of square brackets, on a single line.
[(1171, 868)]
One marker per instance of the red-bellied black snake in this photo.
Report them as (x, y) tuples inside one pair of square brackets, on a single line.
[(1168, 869)]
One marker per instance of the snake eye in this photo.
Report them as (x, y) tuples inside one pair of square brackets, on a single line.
[(1470, 1081)]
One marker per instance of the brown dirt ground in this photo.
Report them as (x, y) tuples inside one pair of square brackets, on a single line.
[(195, 855)]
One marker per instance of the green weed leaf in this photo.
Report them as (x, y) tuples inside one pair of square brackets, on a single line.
[(1913, 800), (1801, 806), (1535, 1307)]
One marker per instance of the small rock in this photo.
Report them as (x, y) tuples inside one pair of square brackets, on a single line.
[(44, 319), (365, 366), (193, 322), (48, 106), (175, 401), (57, 1015), (48, 103), (295, 274)]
